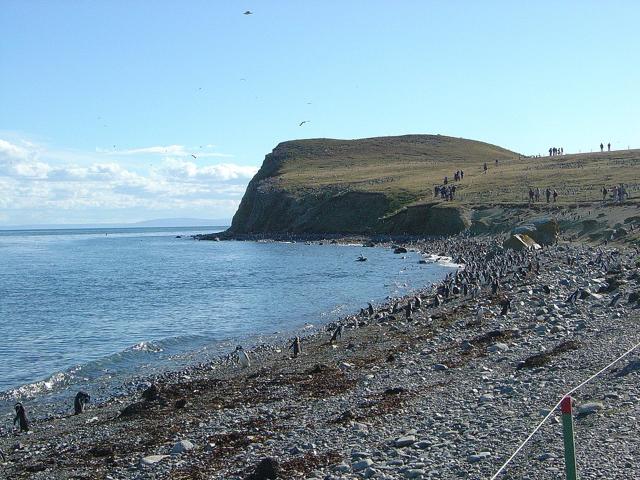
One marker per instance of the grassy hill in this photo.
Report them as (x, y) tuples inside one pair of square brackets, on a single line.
[(385, 184)]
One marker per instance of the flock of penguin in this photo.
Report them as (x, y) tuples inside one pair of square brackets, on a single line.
[(487, 266), (482, 267)]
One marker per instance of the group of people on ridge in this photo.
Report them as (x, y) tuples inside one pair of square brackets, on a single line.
[(534, 194), (608, 147), (553, 151), (618, 193), (446, 191)]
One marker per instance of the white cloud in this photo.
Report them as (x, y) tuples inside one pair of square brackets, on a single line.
[(186, 170), (37, 182), (10, 150)]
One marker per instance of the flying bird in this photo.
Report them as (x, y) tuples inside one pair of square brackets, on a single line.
[(193, 155), (248, 12), (303, 122)]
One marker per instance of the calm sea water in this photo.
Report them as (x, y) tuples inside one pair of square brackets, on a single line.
[(88, 308)]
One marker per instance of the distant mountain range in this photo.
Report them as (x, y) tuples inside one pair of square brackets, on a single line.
[(159, 222)]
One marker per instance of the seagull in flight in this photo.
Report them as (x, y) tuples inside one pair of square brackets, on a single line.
[(303, 122), (193, 156), (248, 12)]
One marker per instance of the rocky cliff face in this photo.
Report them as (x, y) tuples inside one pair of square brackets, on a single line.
[(354, 187)]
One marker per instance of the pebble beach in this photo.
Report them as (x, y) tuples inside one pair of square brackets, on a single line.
[(449, 391)]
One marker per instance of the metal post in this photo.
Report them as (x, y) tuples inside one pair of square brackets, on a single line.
[(569, 447)]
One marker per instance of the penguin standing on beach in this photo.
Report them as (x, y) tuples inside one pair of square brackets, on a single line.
[(21, 417), (407, 310), (243, 357), (506, 306), (337, 334), (296, 347), (79, 403)]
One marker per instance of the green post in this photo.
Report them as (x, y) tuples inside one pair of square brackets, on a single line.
[(569, 447)]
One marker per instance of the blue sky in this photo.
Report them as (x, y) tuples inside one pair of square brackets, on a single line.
[(103, 104)]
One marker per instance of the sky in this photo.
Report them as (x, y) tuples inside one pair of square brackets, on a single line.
[(126, 111)]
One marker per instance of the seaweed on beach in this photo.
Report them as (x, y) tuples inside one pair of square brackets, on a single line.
[(541, 359), (307, 463), (492, 336)]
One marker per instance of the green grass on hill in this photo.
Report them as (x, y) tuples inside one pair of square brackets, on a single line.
[(385, 185), (407, 168)]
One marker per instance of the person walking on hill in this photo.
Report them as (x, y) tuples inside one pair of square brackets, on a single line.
[(609, 146), (461, 174), (550, 151), (537, 194), (622, 192), (555, 195), (601, 147), (548, 194), (485, 167), (604, 193)]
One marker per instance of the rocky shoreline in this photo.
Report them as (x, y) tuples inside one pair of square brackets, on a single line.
[(446, 389)]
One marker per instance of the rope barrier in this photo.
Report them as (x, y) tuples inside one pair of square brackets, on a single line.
[(599, 372)]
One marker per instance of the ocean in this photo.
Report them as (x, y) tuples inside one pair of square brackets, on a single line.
[(91, 308)]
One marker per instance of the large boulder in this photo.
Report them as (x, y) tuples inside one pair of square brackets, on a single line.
[(543, 231), (519, 241)]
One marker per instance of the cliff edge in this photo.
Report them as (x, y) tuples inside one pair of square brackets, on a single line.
[(386, 185), (365, 186)]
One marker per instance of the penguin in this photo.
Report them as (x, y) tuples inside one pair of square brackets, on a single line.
[(506, 306), (242, 357), (418, 302), (79, 402), (150, 394), (296, 347), (21, 417), (337, 334)]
